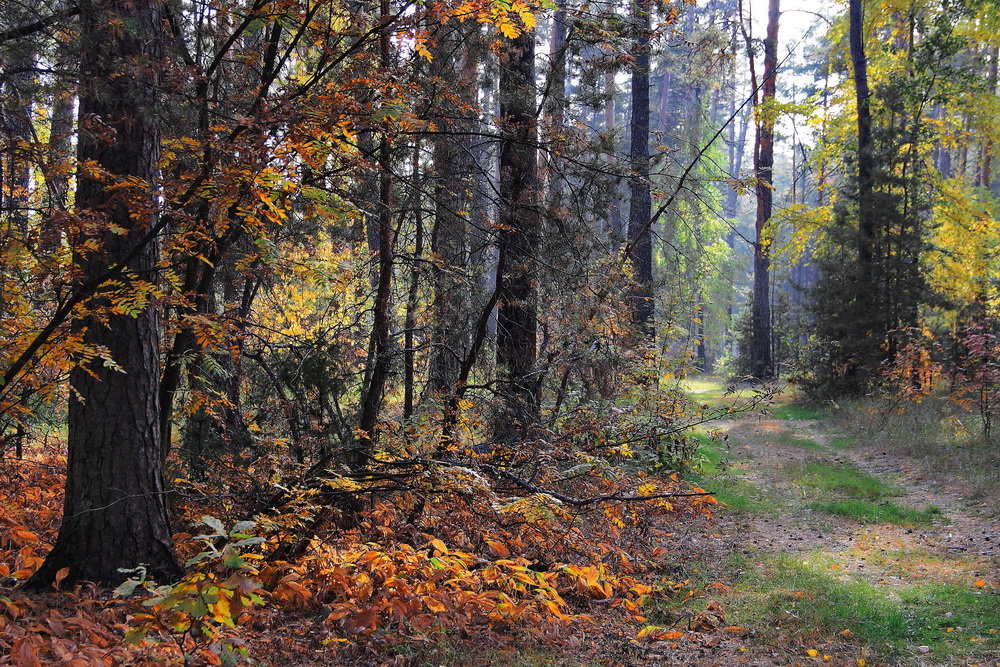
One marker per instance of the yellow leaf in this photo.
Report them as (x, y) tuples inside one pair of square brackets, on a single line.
[(508, 30), (649, 629), (811, 652)]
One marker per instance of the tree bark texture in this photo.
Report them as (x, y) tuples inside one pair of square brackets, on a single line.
[(381, 343), (115, 511), (517, 240), (455, 183), (641, 203)]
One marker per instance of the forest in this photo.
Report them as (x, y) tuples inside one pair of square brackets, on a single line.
[(513, 332)]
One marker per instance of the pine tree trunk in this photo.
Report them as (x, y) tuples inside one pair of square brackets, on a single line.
[(454, 189), (866, 159), (517, 241), (115, 511), (380, 341), (640, 208), (761, 363)]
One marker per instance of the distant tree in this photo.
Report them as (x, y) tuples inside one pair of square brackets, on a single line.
[(759, 363)]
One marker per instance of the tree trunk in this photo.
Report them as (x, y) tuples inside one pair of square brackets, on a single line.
[(517, 241), (115, 511), (640, 208), (866, 158), (454, 189), (761, 366), (381, 343)]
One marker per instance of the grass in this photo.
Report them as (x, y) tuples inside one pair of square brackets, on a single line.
[(711, 472), (856, 495), (867, 511), (739, 495), (794, 440), (971, 616), (841, 479), (814, 601), (934, 431), (843, 441), (798, 412)]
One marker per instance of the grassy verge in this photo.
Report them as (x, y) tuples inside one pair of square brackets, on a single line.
[(840, 479), (794, 440), (866, 511), (812, 602), (712, 472), (798, 412), (936, 432)]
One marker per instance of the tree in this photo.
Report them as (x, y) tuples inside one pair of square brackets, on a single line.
[(115, 507), (456, 81), (517, 239), (759, 363), (641, 203)]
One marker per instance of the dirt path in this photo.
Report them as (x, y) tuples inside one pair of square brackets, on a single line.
[(808, 578), (758, 450)]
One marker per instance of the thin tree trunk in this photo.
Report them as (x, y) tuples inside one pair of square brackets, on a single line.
[(374, 390), (761, 363), (409, 353), (866, 159), (454, 189)]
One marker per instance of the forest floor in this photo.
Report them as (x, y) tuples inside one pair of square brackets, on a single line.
[(830, 551)]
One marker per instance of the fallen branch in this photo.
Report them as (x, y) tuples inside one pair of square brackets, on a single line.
[(579, 502)]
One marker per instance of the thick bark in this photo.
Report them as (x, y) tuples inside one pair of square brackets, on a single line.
[(761, 365), (641, 203), (60, 152), (19, 90), (985, 179), (615, 223), (556, 107), (517, 240), (115, 512)]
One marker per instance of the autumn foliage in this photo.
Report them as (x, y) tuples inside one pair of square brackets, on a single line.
[(451, 554)]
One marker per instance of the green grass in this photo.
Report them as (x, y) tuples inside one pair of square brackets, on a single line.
[(843, 441), (740, 496), (711, 472), (813, 602), (789, 595), (840, 479), (710, 457), (799, 441), (798, 411), (973, 614), (866, 511)]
